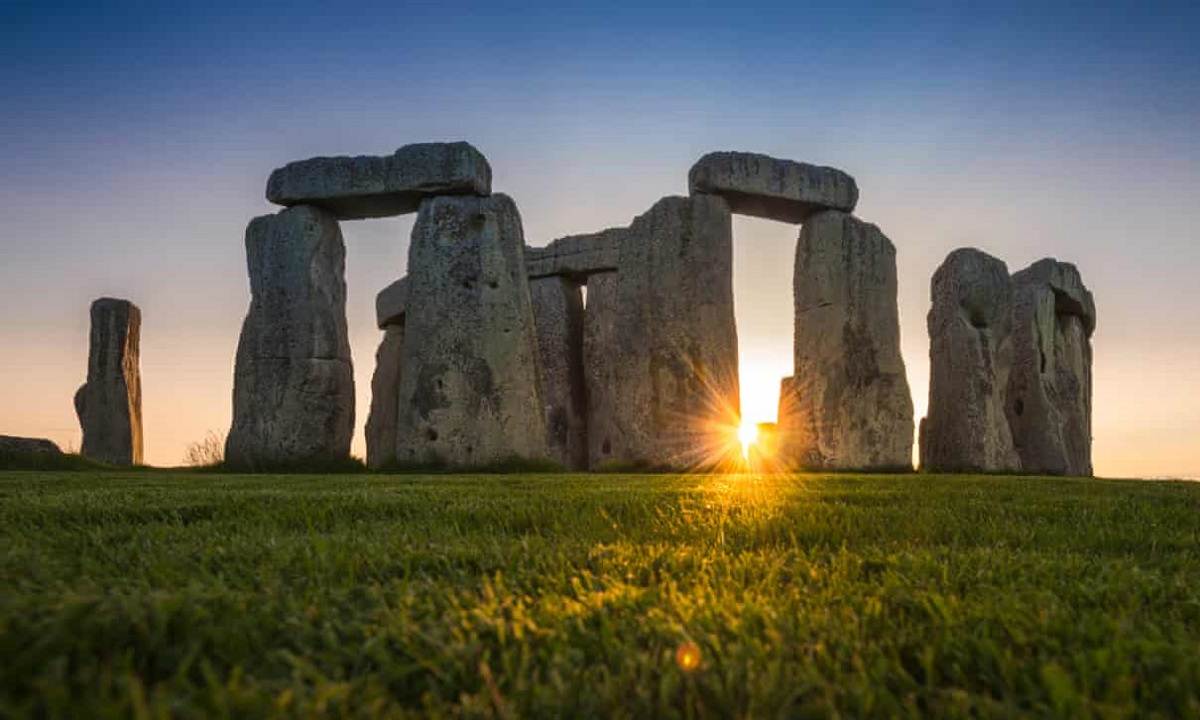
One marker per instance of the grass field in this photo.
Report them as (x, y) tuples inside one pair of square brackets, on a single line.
[(154, 594)]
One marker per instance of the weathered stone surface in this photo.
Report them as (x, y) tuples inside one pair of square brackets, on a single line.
[(853, 407), (370, 186), (27, 446), (788, 424), (558, 315), (469, 390), (576, 256), (391, 303), (970, 355), (1049, 403), (293, 391), (109, 404), (660, 346), (385, 397), (771, 188)]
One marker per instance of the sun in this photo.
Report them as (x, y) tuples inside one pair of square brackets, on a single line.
[(747, 435)]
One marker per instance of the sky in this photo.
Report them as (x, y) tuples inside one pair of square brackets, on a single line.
[(136, 140)]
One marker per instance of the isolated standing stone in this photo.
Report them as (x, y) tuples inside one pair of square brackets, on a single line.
[(853, 408), (293, 391), (1049, 403), (558, 315), (370, 186), (771, 188), (970, 355), (469, 390), (661, 342), (109, 404)]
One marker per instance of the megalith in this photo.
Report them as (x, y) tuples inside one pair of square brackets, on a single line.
[(469, 390), (771, 188), (368, 186), (660, 342), (970, 356), (558, 316), (380, 430), (1049, 403), (853, 407), (293, 392), (109, 404)]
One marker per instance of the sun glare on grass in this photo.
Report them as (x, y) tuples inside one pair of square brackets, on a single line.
[(747, 436)]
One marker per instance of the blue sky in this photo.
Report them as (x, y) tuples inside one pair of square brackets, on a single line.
[(137, 138)]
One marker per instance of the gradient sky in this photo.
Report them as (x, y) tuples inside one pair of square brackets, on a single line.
[(136, 140)]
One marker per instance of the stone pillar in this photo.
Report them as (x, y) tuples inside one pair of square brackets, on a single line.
[(109, 404), (661, 341), (390, 307), (558, 314), (970, 355), (1049, 403), (853, 410), (469, 390), (293, 393)]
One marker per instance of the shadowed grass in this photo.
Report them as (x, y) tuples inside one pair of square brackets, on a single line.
[(206, 595)]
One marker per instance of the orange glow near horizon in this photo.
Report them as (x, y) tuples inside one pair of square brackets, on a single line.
[(747, 435)]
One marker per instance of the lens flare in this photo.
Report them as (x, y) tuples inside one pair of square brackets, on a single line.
[(687, 657)]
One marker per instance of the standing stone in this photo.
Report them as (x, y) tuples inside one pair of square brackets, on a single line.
[(1049, 403), (469, 391), (385, 389), (391, 304), (109, 404), (606, 431), (293, 390), (788, 441), (853, 409), (558, 315), (370, 187), (771, 188), (970, 354), (661, 342)]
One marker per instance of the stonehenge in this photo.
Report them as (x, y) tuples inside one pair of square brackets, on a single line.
[(970, 356), (1010, 368), (293, 390), (619, 348), (109, 404)]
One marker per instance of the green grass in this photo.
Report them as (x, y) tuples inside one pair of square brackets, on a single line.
[(203, 595)]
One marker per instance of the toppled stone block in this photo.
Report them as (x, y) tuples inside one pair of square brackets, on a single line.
[(469, 389), (27, 446), (1049, 403), (970, 356), (293, 393), (558, 315), (109, 404), (771, 188), (369, 186), (576, 256), (391, 303), (660, 346), (853, 407)]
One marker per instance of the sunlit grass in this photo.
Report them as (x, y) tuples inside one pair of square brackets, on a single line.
[(738, 595)]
